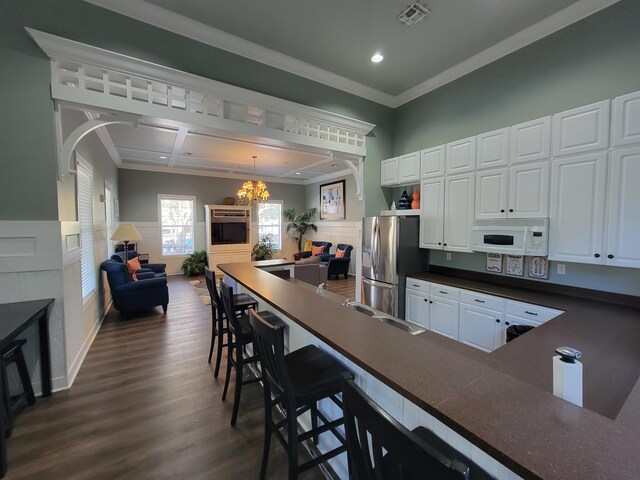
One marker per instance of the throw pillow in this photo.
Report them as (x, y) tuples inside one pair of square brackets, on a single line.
[(340, 253), (133, 265), (307, 246), (316, 250), (308, 260)]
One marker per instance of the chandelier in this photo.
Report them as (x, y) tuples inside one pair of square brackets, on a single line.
[(252, 193)]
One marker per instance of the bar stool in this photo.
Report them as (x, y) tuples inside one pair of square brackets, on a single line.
[(242, 303), (298, 380), (239, 335), (410, 455), (13, 406)]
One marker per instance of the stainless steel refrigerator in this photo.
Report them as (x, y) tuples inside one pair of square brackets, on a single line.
[(389, 252)]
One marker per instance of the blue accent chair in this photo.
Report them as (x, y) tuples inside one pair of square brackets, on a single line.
[(307, 254), (132, 296), (158, 269), (337, 266)]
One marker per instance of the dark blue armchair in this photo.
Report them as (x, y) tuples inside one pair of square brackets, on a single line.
[(131, 296), (340, 265), (158, 269), (307, 254)]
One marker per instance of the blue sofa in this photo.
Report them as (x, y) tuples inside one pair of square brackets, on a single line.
[(131, 296), (158, 269), (337, 266)]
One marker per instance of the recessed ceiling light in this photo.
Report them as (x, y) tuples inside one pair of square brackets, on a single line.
[(377, 58), (297, 173), (163, 158)]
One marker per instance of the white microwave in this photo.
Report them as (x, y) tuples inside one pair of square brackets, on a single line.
[(514, 236)]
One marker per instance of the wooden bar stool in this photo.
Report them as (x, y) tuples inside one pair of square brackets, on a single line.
[(219, 328), (298, 380), (380, 447), (12, 354)]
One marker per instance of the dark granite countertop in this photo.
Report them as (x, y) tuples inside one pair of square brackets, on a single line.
[(499, 401)]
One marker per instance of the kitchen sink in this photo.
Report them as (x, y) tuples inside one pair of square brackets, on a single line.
[(383, 317)]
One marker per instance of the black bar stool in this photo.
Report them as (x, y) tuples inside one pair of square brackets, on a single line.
[(242, 303), (239, 335), (14, 405), (410, 455), (298, 380)]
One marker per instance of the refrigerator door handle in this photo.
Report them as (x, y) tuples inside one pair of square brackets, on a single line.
[(374, 246)]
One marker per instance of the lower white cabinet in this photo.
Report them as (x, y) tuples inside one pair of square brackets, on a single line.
[(472, 318)]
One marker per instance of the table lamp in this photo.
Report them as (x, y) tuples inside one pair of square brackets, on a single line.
[(125, 233)]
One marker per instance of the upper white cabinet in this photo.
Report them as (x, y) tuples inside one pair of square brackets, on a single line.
[(432, 213), (493, 149), (623, 235), (432, 162), (626, 119), (402, 170), (520, 191), (460, 156), (389, 172), (409, 168), (581, 129), (530, 140), (576, 226)]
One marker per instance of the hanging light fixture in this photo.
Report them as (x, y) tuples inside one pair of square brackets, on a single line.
[(251, 194)]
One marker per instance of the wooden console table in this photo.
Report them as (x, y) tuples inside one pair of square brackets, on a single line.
[(15, 318)]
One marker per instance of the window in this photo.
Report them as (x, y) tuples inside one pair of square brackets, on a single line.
[(108, 215), (270, 222), (85, 218), (177, 224)]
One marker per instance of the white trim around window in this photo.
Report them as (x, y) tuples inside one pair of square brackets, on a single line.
[(269, 227), (177, 235)]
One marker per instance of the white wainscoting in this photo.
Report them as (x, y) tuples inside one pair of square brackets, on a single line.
[(151, 244), (29, 246)]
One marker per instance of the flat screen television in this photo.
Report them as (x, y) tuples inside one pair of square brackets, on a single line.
[(224, 233)]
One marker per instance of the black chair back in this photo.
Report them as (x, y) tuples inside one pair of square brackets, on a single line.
[(226, 292), (269, 339), (216, 304), (369, 430)]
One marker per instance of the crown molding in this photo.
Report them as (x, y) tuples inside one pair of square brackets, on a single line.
[(529, 35), (186, 27), (178, 24)]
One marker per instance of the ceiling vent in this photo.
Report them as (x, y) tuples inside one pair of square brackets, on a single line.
[(413, 14)]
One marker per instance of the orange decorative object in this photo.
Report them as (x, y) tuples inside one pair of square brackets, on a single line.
[(415, 204)]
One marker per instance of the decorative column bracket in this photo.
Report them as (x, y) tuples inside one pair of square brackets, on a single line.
[(66, 147), (357, 168)]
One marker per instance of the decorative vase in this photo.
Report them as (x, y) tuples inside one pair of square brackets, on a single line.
[(404, 203), (415, 205)]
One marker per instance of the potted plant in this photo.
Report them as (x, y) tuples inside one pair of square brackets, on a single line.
[(300, 223), (263, 250), (194, 264)]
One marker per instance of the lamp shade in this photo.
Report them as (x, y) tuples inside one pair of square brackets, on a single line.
[(126, 232)]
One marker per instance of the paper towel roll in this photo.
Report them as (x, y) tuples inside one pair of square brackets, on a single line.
[(567, 380)]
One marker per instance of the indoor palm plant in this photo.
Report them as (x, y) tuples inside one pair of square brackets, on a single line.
[(300, 223), (194, 264)]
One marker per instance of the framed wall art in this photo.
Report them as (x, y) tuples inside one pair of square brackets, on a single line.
[(494, 262), (332, 205), (539, 268), (515, 265)]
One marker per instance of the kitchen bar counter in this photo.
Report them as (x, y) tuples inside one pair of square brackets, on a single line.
[(497, 401)]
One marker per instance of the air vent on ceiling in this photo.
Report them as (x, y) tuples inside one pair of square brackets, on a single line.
[(413, 14)]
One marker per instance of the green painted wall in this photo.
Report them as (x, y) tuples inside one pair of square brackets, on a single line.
[(353, 205), (594, 59), (28, 187), (139, 192)]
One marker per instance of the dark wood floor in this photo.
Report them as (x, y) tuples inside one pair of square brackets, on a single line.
[(145, 405), (345, 287)]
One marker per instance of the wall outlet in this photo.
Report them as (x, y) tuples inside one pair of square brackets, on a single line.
[(562, 269), (449, 256)]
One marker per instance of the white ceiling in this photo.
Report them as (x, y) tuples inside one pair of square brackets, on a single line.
[(329, 41)]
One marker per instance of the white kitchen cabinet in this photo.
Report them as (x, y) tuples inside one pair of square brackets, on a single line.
[(493, 149), (417, 302), (529, 190), (444, 310), (530, 140), (582, 129), (576, 224), (389, 172), (432, 213), (409, 168), (623, 233), (432, 162), (460, 156), (458, 212), (481, 327), (626, 120), (492, 194)]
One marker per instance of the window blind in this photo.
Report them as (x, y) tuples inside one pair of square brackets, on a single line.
[(85, 217), (108, 200)]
